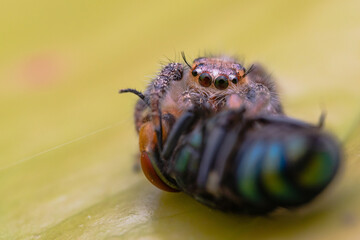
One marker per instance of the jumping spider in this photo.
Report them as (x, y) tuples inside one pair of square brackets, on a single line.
[(212, 83)]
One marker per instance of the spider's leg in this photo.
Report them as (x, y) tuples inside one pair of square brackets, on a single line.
[(140, 106), (158, 90), (259, 75), (262, 96)]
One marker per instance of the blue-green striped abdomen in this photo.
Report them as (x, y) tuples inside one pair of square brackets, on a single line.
[(255, 169)]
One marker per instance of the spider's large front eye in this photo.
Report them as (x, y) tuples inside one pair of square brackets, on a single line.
[(221, 82), (205, 80)]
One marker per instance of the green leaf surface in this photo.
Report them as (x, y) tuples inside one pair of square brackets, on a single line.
[(67, 140)]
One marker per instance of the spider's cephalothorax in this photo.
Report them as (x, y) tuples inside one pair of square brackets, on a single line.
[(209, 80), (213, 79)]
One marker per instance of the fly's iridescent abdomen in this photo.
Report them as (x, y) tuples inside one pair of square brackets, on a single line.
[(252, 165)]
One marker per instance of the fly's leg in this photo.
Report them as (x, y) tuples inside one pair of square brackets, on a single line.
[(182, 124)]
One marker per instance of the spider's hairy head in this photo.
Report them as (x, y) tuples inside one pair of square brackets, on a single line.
[(214, 78), (217, 73)]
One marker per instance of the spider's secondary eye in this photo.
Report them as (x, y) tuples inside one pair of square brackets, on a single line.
[(234, 80), (205, 80), (194, 73), (221, 82)]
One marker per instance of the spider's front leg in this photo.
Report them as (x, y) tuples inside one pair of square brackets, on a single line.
[(153, 133), (259, 96), (158, 90), (256, 101), (154, 124), (265, 83)]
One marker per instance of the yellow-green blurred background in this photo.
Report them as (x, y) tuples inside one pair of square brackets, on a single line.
[(67, 141)]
